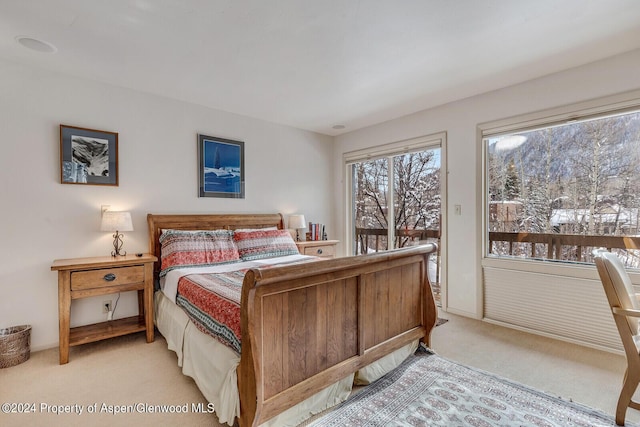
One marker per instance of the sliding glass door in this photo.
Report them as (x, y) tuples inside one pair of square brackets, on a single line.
[(395, 197)]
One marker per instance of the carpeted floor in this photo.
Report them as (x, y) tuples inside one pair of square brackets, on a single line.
[(122, 378), (127, 371), (585, 375)]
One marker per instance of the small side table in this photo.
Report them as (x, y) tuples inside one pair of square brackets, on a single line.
[(320, 248), (88, 277)]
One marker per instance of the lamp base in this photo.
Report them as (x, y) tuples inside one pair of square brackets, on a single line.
[(117, 245)]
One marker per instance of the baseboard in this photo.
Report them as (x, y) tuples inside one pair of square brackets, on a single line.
[(461, 313), (42, 347), (555, 337)]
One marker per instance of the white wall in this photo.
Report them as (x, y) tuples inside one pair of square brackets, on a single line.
[(287, 170), (460, 120)]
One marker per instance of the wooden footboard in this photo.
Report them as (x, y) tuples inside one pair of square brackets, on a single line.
[(306, 326)]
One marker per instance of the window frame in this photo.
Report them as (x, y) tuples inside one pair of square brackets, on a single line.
[(388, 151), (595, 108)]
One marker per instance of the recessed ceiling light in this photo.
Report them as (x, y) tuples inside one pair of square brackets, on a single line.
[(339, 127), (35, 44)]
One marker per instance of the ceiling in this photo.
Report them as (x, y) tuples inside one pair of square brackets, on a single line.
[(315, 64)]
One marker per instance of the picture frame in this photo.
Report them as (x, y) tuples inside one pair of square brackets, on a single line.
[(88, 156), (221, 167)]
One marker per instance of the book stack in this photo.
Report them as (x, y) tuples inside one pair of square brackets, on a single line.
[(316, 232)]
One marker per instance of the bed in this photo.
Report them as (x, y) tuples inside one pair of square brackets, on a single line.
[(306, 328)]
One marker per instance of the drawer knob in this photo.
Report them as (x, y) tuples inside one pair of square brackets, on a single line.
[(109, 277), (319, 251)]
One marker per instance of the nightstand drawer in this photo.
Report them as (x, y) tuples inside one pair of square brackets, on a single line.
[(320, 250), (105, 277)]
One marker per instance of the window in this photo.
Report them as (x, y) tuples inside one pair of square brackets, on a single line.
[(394, 196), (559, 190)]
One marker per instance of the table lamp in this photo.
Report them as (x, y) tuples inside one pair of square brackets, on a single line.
[(117, 222), (297, 222)]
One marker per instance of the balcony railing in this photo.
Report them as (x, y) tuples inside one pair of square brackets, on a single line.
[(566, 247), (375, 239)]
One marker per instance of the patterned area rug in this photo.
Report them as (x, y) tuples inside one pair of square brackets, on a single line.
[(441, 321), (428, 390)]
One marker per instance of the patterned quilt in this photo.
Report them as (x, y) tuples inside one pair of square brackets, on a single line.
[(212, 302)]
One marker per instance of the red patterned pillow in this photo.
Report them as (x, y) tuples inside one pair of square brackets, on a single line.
[(258, 244), (186, 248)]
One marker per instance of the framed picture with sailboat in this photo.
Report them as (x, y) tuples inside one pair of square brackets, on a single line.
[(221, 167)]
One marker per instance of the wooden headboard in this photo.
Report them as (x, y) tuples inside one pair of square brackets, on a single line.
[(157, 223)]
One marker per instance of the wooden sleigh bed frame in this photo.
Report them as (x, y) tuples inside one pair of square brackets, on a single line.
[(307, 326)]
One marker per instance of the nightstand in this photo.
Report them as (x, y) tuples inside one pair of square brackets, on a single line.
[(88, 277), (320, 248)]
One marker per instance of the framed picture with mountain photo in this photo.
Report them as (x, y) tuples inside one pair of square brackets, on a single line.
[(221, 167), (88, 156)]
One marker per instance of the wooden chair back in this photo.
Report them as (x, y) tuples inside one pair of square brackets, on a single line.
[(626, 313)]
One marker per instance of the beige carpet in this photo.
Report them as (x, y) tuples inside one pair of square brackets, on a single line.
[(128, 371), (588, 376), (119, 371)]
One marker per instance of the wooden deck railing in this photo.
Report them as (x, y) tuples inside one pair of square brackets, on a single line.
[(373, 239), (568, 247), (555, 245)]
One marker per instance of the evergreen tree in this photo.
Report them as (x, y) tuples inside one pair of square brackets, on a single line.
[(512, 182)]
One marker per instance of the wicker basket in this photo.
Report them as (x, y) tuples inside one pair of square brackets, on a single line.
[(15, 345)]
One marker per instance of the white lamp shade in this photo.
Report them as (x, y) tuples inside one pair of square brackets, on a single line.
[(297, 221), (116, 221)]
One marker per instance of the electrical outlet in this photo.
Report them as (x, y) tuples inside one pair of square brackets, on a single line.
[(106, 306)]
